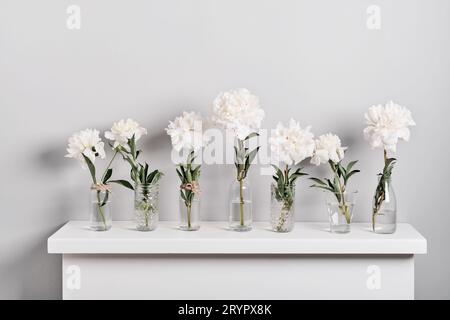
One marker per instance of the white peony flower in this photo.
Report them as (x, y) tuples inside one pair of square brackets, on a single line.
[(88, 143), (124, 130), (292, 144), (386, 125), (328, 147), (238, 110), (186, 132)]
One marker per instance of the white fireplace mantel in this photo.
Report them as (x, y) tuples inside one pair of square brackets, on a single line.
[(215, 263)]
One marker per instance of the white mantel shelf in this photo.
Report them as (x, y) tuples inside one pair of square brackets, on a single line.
[(215, 263), (213, 238)]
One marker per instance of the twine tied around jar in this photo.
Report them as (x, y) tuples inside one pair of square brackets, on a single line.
[(193, 186), (101, 187)]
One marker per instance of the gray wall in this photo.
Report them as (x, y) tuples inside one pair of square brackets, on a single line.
[(315, 61)]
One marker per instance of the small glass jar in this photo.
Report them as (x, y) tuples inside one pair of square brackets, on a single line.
[(384, 210), (240, 218), (282, 208), (189, 213), (340, 210), (100, 208), (146, 206)]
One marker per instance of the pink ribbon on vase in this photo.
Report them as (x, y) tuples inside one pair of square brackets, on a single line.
[(101, 187), (193, 186)]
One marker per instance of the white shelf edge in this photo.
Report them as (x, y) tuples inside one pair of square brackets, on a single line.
[(306, 239)]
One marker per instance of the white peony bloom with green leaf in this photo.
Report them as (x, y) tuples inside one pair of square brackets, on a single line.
[(238, 110), (186, 132), (122, 131), (328, 147), (386, 125), (291, 144), (87, 143)]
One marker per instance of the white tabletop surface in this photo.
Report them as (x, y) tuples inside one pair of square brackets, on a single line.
[(214, 238)]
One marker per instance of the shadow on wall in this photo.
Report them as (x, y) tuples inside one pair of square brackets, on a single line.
[(41, 271), (63, 184), (53, 159), (33, 273)]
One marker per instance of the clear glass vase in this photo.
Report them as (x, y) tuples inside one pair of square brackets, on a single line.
[(240, 218), (384, 208), (282, 209), (100, 209), (146, 209), (340, 210), (190, 214)]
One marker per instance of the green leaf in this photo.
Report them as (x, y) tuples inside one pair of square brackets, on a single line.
[(189, 196), (183, 172), (196, 173), (191, 157), (157, 177), (332, 165), (280, 187), (252, 155), (321, 187), (240, 144), (132, 144), (247, 165), (251, 135), (279, 173), (350, 165), (142, 173), (189, 175), (336, 184), (341, 171), (105, 199), (330, 184), (180, 175), (134, 174), (91, 168), (320, 182), (239, 155), (146, 171), (249, 159), (123, 183), (149, 178), (108, 175), (295, 176), (350, 174)]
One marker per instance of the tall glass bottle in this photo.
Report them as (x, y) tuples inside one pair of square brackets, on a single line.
[(384, 209)]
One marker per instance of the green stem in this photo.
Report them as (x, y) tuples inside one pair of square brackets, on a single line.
[(145, 199), (99, 204), (344, 207), (373, 221), (109, 164), (189, 208), (134, 166), (100, 209), (379, 200), (241, 204)]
